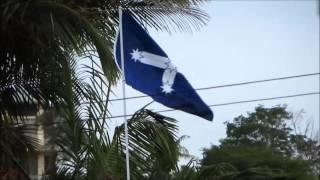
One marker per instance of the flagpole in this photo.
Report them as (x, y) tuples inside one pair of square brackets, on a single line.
[(124, 95)]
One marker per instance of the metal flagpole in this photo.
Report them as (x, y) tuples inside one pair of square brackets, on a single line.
[(124, 95)]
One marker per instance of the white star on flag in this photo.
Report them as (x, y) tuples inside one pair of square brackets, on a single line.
[(166, 88), (136, 55)]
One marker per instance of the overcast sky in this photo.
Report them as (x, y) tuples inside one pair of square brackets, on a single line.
[(243, 41)]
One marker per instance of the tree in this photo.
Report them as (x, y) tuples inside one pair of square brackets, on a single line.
[(87, 156), (265, 126), (56, 54), (263, 146), (255, 161)]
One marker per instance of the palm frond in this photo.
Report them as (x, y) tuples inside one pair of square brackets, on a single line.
[(153, 145), (17, 140), (42, 45)]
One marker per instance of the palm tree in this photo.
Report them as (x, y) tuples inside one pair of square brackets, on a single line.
[(56, 54)]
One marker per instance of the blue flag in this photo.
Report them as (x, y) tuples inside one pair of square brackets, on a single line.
[(149, 70)]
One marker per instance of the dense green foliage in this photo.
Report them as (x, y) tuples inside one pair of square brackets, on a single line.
[(263, 146), (56, 56), (263, 160), (260, 146)]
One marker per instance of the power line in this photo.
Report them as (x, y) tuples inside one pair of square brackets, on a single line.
[(230, 85), (213, 105), (236, 102)]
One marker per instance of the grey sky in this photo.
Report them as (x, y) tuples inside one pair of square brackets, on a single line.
[(244, 41)]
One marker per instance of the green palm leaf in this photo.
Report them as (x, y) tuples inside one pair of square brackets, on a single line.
[(57, 55)]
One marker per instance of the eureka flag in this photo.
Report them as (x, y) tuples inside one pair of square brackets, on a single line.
[(149, 70)]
